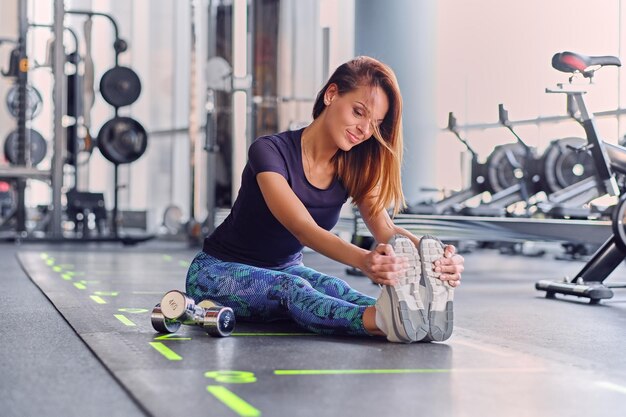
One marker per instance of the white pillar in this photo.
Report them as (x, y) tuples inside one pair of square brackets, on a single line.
[(402, 33)]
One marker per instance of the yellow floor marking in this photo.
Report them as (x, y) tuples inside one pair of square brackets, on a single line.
[(165, 351), (97, 299), (233, 401), (125, 320)]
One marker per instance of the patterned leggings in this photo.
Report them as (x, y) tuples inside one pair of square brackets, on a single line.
[(320, 303)]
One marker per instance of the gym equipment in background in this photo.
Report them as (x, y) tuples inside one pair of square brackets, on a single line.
[(82, 204), (479, 183), (121, 140), (24, 148), (34, 102), (569, 178), (515, 176), (566, 163), (7, 201), (513, 171), (120, 86), (176, 309), (589, 282), (38, 147)]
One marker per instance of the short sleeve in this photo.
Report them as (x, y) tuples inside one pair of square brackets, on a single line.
[(264, 155)]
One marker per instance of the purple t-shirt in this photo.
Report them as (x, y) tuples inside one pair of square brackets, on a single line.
[(251, 234)]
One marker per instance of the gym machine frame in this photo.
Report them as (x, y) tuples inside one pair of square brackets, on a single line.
[(24, 170), (119, 46), (589, 282)]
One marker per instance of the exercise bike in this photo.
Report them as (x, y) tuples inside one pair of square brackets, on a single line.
[(570, 180), (479, 182), (517, 178), (608, 160)]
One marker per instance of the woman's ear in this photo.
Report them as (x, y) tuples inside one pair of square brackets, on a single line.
[(331, 92)]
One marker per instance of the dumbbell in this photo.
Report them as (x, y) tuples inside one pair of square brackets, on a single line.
[(177, 308)]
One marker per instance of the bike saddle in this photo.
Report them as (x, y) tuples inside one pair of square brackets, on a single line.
[(572, 62)]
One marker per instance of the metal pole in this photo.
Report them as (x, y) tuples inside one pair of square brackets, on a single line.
[(251, 122), (23, 142), (59, 110), (212, 149)]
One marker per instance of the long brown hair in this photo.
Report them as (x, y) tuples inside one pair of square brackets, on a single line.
[(372, 167)]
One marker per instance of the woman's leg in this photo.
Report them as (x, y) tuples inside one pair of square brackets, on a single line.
[(264, 294), (332, 286)]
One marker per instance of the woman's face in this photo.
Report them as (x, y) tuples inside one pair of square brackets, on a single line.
[(351, 117)]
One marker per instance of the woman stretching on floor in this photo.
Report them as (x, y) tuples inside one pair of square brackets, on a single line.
[(292, 190)]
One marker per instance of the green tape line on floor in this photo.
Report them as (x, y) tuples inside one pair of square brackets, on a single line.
[(97, 299), (274, 334), (356, 371), (165, 351), (125, 320), (234, 402)]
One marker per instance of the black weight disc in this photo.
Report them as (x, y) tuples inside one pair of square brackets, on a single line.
[(564, 166), (122, 140), (120, 86), (619, 222), (38, 147), (500, 170), (34, 102)]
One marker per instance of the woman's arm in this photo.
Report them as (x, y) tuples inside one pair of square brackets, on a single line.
[(381, 265), (383, 229), (380, 225)]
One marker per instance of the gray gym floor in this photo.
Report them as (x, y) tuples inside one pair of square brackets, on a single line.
[(513, 352)]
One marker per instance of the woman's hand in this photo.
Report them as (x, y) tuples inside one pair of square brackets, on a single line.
[(383, 266), (451, 266)]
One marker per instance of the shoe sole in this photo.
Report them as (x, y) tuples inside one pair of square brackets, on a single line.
[(439, 294), (412, 312)]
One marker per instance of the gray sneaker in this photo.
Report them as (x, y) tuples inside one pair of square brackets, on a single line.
[(400, 306), (438, 295)]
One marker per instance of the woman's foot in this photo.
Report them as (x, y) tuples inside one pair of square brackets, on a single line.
[(400, 311), (437, 295)]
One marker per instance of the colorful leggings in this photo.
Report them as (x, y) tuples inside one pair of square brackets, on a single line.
[(318, 302)]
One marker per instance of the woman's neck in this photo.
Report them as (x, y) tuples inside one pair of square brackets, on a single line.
[(317, 143)]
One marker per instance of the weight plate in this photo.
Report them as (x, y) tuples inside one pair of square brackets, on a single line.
[(564, 166), (618, 223), (122, 140), (176, 305), (120, 86), (34, 102), (162, 324), (219, 321), (501, 169), (38, 147)]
